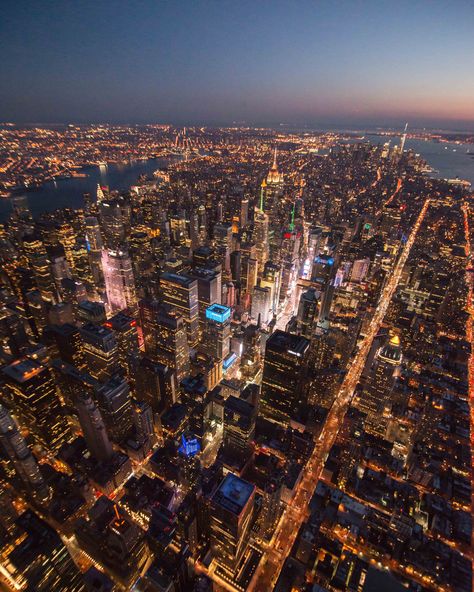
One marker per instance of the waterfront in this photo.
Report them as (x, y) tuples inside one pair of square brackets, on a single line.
[(67, 193), (448, 159)]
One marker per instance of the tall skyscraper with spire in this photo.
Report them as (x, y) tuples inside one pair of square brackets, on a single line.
[(273, 186), (274, 176), (273, 190), (375, 398), (100, 193)]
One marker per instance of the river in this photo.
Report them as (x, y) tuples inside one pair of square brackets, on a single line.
[(67, 193)]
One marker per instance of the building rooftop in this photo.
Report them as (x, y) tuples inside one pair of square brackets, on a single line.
[(391, 352), (311, 295), (183, 280), (203, 273), (66, 329), (283, 341), (238, 405), (97, 331), (91, 306), (120, 321), (22, 370), (233, 493)]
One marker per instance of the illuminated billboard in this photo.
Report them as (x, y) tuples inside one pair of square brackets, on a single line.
[(324, 260), (227, 363)]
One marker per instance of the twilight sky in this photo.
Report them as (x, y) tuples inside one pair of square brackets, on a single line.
[(217, 61)]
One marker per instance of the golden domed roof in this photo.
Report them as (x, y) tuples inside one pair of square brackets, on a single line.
[(391, 352), (395, 340)]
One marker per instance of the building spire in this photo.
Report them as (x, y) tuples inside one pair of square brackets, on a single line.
[(275, 164), (404, 137), (100, 193), (274, 175)]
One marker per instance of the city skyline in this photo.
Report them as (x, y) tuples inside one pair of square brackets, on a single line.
[(250, 369), (236, 296), (313, 64)]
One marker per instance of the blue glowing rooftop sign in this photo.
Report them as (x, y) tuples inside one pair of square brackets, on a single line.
[(324, 260), (189, 447), (218, 313), (227, 363)]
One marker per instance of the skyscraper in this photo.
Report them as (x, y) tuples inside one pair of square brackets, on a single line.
[(30, 392), (142, 420), (126, 334), (100, 351), (114, 222), (40, 264), (156, 384), (181, 293), (262, 304), (94, 245), (244, 212), (67, 238), (164, 336), (216, 338), (403, 140), (273, 190), (67, 341), (308, 312), (260, 236), (18, 453), (119, 280), (93, 427), (375, 397), (209, 284), (239, 427), (223, 242), (283, 370), (40, 562), (142, 259), (231, 513), (272, 279), (115, 404), (274, 176), (82, 267)]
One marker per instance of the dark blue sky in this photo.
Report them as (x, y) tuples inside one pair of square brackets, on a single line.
[(221, 61)]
